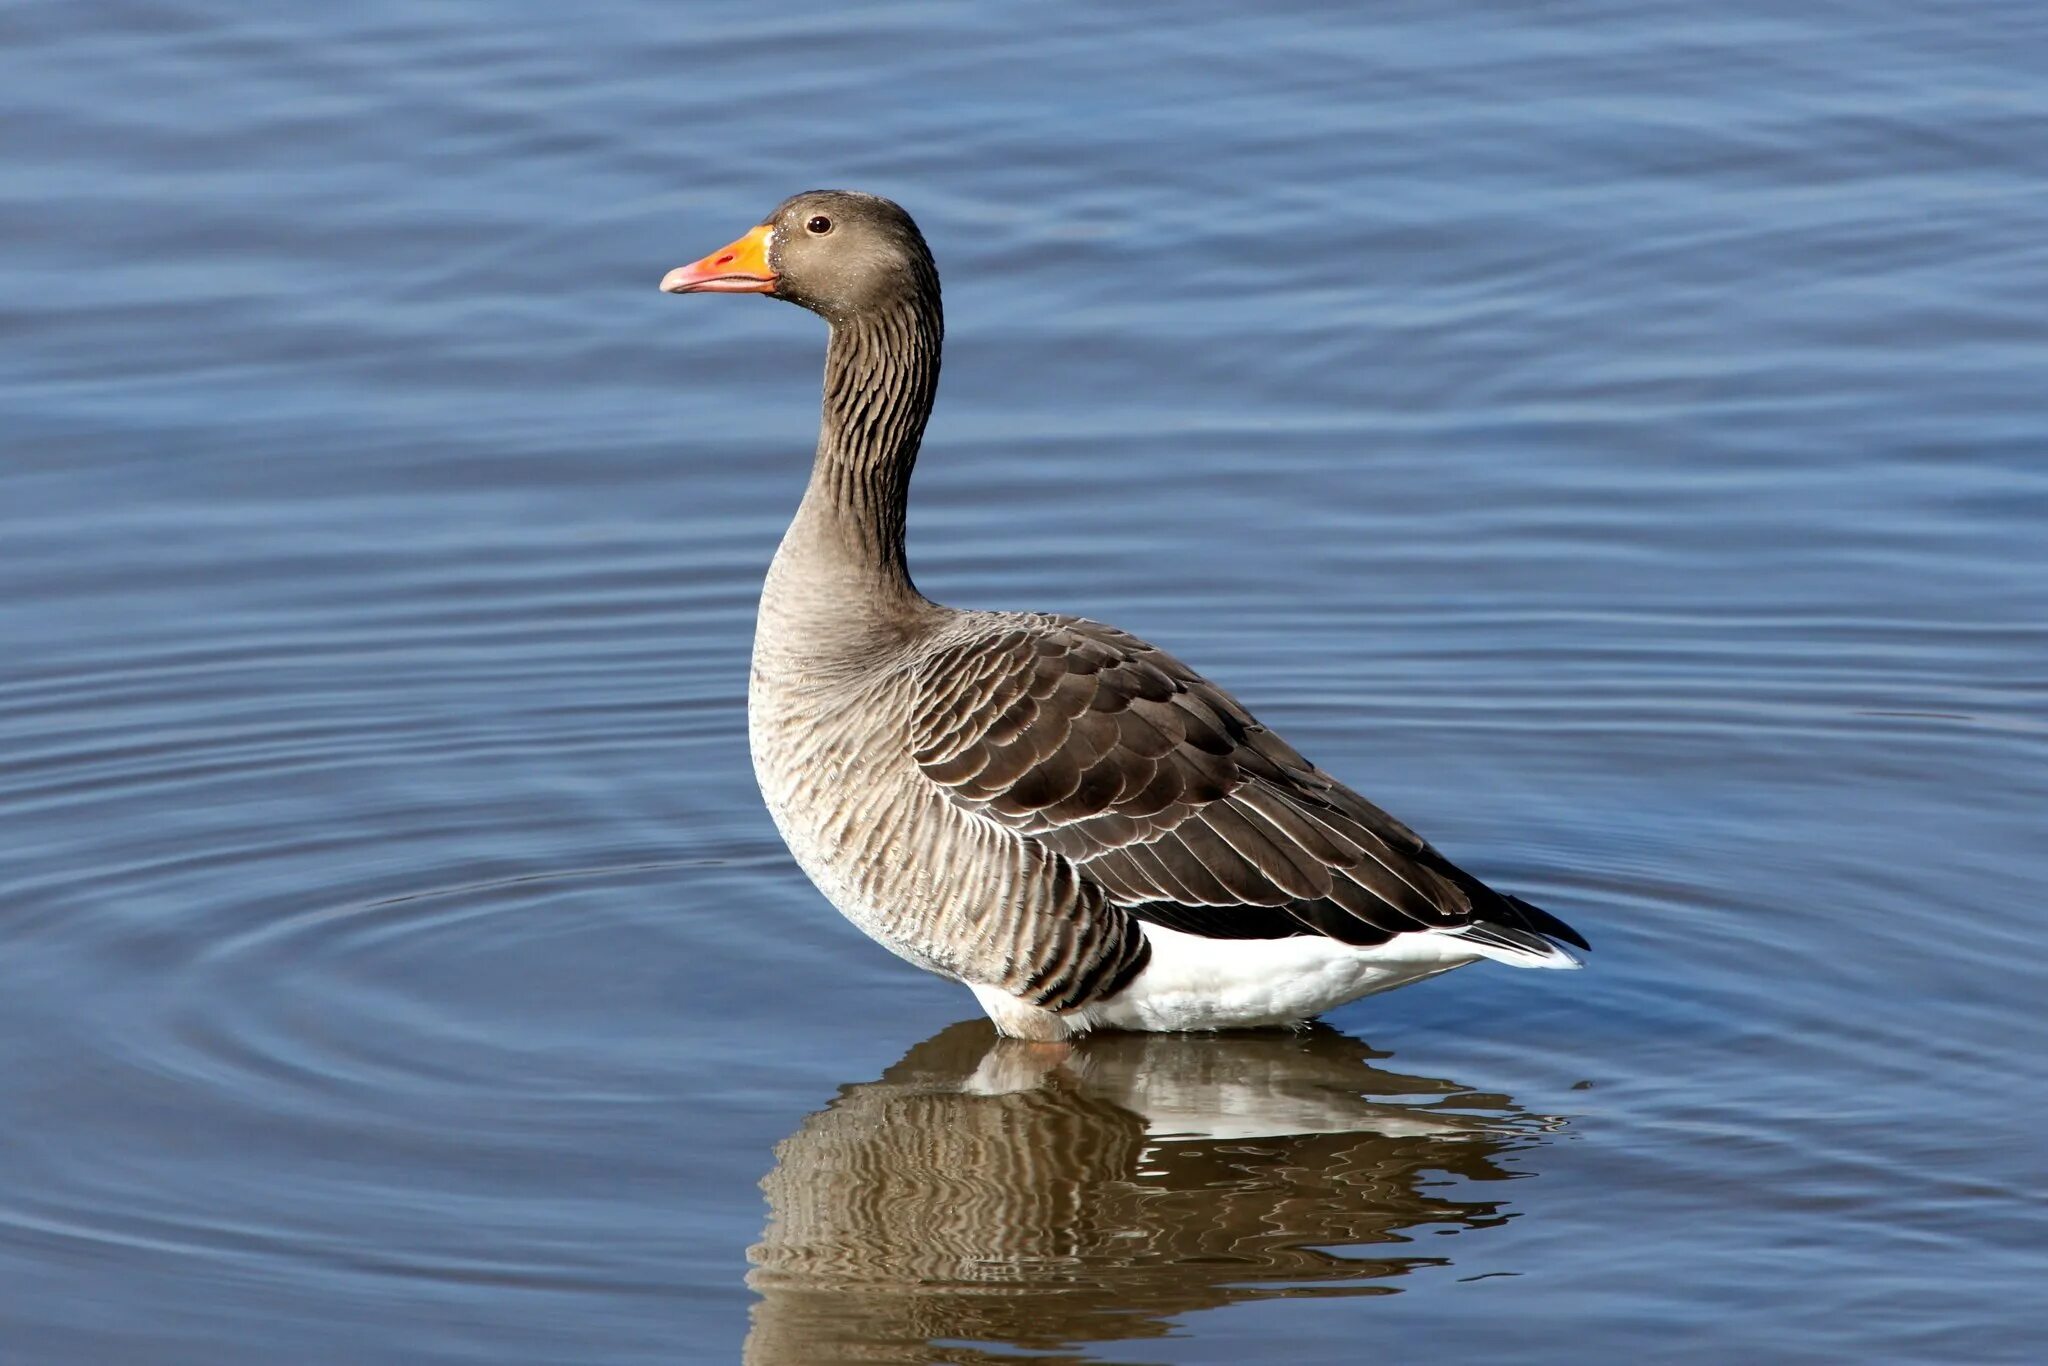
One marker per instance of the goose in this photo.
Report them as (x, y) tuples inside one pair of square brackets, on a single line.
[(1066, 819)]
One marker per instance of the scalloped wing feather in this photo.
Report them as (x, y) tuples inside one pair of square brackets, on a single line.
[(1168, 794)]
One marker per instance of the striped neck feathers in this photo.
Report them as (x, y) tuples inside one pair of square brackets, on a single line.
[(881, 375)]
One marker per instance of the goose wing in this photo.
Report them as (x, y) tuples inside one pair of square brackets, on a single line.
[(1161, 788)]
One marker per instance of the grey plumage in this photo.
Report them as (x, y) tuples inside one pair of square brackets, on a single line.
[(1007, 798), (1165, 791)]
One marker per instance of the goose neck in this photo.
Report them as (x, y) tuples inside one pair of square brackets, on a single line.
[(881, 374)]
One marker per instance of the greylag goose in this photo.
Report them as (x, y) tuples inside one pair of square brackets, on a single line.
[(1077, 826)]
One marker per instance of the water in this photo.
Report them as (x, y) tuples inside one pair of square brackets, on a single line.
[(1610, 436)]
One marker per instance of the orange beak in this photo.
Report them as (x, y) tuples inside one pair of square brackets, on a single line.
[(741, 268)]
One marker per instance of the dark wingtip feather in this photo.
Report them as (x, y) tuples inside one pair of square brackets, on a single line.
[(1544, 923)]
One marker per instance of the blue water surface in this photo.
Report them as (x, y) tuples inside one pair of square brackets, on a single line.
[(1611, 436)]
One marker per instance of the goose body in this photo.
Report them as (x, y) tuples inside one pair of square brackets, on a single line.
[(1066, 819)]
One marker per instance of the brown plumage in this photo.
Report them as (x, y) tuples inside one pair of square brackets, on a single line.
[(1045, 808), (1172, 797)]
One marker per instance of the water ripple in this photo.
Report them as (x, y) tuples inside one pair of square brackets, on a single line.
[(1609, 435)]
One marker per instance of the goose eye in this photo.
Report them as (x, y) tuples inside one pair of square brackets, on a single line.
[(819, 225)]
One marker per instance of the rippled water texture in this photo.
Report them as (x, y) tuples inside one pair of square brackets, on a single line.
[(1612, 436)]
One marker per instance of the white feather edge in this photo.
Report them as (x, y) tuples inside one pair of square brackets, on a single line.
[(1548, 955)]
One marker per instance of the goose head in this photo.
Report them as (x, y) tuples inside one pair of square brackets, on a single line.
[(839, 253)]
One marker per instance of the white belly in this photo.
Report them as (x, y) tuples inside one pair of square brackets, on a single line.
[(1198, 983)]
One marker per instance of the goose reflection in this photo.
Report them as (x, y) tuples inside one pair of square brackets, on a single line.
[(1038, 1196)]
